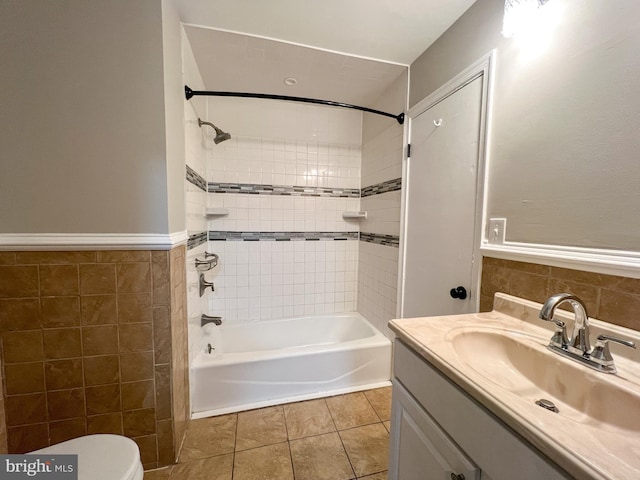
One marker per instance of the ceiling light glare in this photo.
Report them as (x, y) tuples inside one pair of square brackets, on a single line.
[(290, 81)]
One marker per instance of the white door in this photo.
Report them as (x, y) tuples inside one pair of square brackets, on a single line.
[(441, 213)]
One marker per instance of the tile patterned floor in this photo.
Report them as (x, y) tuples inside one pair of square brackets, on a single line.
[(334, 438)]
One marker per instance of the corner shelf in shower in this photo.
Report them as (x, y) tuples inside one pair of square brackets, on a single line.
[(354, 215), (216, 212)]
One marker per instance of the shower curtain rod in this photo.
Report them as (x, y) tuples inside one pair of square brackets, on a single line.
[(191, 93)]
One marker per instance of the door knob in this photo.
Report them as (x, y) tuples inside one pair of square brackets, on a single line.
[(457, 477), (460, 293)]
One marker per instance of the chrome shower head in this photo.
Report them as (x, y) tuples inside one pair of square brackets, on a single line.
[(220, 135)]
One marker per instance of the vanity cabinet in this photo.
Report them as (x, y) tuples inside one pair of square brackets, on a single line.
[(438, 432)]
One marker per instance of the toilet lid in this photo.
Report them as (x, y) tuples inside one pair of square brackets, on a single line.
[(101, 457)]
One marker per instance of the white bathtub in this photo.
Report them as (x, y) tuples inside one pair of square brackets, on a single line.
[(258, 364)]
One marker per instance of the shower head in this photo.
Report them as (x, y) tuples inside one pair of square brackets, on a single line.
[(220, 135)]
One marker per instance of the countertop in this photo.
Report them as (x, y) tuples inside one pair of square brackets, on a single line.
[(585, 448)]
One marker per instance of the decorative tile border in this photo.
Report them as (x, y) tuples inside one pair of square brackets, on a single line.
[(260, 189), (196, 239), (280, 236), (195, 178), (383, 187), (379, 239)]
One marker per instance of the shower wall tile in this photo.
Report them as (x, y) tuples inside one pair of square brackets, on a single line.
[(377, 284), (283, 213), (382, 157), (280, 161), (378, 261), (79, 353), (266, 280)]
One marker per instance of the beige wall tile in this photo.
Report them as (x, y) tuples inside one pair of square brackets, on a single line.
[(136, 337), (620, 308), (27, 438), (121, 256), (148, 447), (25, 409), (60, 311), (137, 395), (101, 370), (163, 391), (135, 308), (103, 399), (55, 257), (59, 280), (98, 309), (166, 449), (133, 277), (7, 258), (101, 340), (19, 281), (63, 374), (22, 346), (65, 404), (20, 314), (67, 429), (136, 366), (139, 423), (97, 279), (106, 423), (24, 378)]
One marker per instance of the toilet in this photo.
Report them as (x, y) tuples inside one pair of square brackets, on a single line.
[(101, 457)]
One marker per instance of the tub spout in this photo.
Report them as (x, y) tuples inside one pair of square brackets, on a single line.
[(204, 319)]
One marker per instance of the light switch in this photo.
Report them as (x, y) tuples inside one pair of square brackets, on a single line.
[(496, 233)]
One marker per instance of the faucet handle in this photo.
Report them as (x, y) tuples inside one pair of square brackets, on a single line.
[(560, 338), (601, 354)]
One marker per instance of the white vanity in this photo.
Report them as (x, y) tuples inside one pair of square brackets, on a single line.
[(464, 401)]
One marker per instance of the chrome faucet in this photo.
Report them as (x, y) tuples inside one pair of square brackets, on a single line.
[(204, 319), (579, 341), (578, 347)]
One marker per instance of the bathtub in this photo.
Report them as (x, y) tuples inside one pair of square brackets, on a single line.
[(254, 365)]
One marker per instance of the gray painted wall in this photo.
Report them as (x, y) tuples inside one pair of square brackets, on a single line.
[(82, 129), (564, 164)]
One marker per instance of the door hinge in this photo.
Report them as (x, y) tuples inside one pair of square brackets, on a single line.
[(408, 150)]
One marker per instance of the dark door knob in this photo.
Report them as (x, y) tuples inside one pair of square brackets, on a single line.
[(457, 477), (460, 293)]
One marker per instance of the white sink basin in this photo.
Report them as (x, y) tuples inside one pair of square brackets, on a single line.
[(519, 364)]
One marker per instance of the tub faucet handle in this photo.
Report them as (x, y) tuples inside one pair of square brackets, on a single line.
[(204, 285), (204, 319)]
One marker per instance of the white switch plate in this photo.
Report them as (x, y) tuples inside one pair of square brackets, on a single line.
[(497, 229)]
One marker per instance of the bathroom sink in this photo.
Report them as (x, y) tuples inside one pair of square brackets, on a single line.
[(521, 364)]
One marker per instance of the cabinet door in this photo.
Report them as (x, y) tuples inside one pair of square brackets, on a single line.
[(420, 449)]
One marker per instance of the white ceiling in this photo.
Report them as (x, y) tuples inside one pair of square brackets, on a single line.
[(341, 50)]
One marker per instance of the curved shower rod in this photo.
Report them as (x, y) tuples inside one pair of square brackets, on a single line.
[(191, 93)]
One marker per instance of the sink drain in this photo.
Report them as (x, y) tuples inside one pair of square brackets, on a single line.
[(548, 404)]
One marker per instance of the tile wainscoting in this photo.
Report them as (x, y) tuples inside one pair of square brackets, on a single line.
[(609, 298), (95, 342)]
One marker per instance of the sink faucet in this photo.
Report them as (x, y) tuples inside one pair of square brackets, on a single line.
[(579, 341), (578, 347)]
